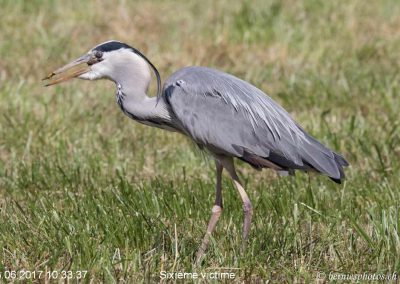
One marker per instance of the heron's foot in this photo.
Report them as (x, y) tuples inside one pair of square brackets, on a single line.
[(216, 213), (248, 214)]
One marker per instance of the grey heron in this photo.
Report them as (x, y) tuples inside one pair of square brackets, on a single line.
[(224, 115)]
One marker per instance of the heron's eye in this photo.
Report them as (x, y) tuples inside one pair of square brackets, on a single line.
[(98, 54)]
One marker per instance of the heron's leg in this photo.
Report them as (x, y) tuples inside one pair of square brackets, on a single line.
[(215, 213), (247, 208)]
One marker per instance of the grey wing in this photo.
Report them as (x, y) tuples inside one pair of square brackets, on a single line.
[(230, 116)]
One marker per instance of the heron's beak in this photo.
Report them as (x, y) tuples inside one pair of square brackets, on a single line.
[(69, 71)]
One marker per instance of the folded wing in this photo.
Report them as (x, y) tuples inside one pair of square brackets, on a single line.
[(229, 116)]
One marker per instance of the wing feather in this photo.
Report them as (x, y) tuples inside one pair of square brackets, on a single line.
[(230, 116)]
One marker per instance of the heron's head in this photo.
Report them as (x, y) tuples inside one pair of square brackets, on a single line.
[(111, 60)]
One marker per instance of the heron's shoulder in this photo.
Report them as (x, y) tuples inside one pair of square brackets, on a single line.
[(194, 74)]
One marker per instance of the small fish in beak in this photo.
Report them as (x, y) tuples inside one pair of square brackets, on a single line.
[(71, 70)]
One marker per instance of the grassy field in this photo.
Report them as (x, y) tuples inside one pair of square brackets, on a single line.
[(82, 187)]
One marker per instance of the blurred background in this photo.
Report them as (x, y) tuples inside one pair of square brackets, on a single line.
[(79, 180)]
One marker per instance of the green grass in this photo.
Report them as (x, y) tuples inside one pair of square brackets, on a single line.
[(82, 187)]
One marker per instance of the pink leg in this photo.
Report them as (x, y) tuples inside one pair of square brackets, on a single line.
[(215, 214), (247, 208)]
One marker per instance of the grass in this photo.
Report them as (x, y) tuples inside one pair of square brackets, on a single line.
[(84, 188)]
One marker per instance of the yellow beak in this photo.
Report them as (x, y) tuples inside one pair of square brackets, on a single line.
[(69, 71)]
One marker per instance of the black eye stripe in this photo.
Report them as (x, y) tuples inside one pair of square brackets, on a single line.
[(116, 45), (110, 46)]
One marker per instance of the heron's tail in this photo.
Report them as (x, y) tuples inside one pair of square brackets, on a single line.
[(323, 159)]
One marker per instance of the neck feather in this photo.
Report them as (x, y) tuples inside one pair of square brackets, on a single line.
[(132, 85)]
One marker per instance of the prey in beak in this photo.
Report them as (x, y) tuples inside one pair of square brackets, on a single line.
[(72, 70)]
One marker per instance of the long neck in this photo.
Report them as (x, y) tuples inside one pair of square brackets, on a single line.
[(132, 85)]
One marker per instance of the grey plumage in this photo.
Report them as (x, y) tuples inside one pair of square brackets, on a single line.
[(229, 116)]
